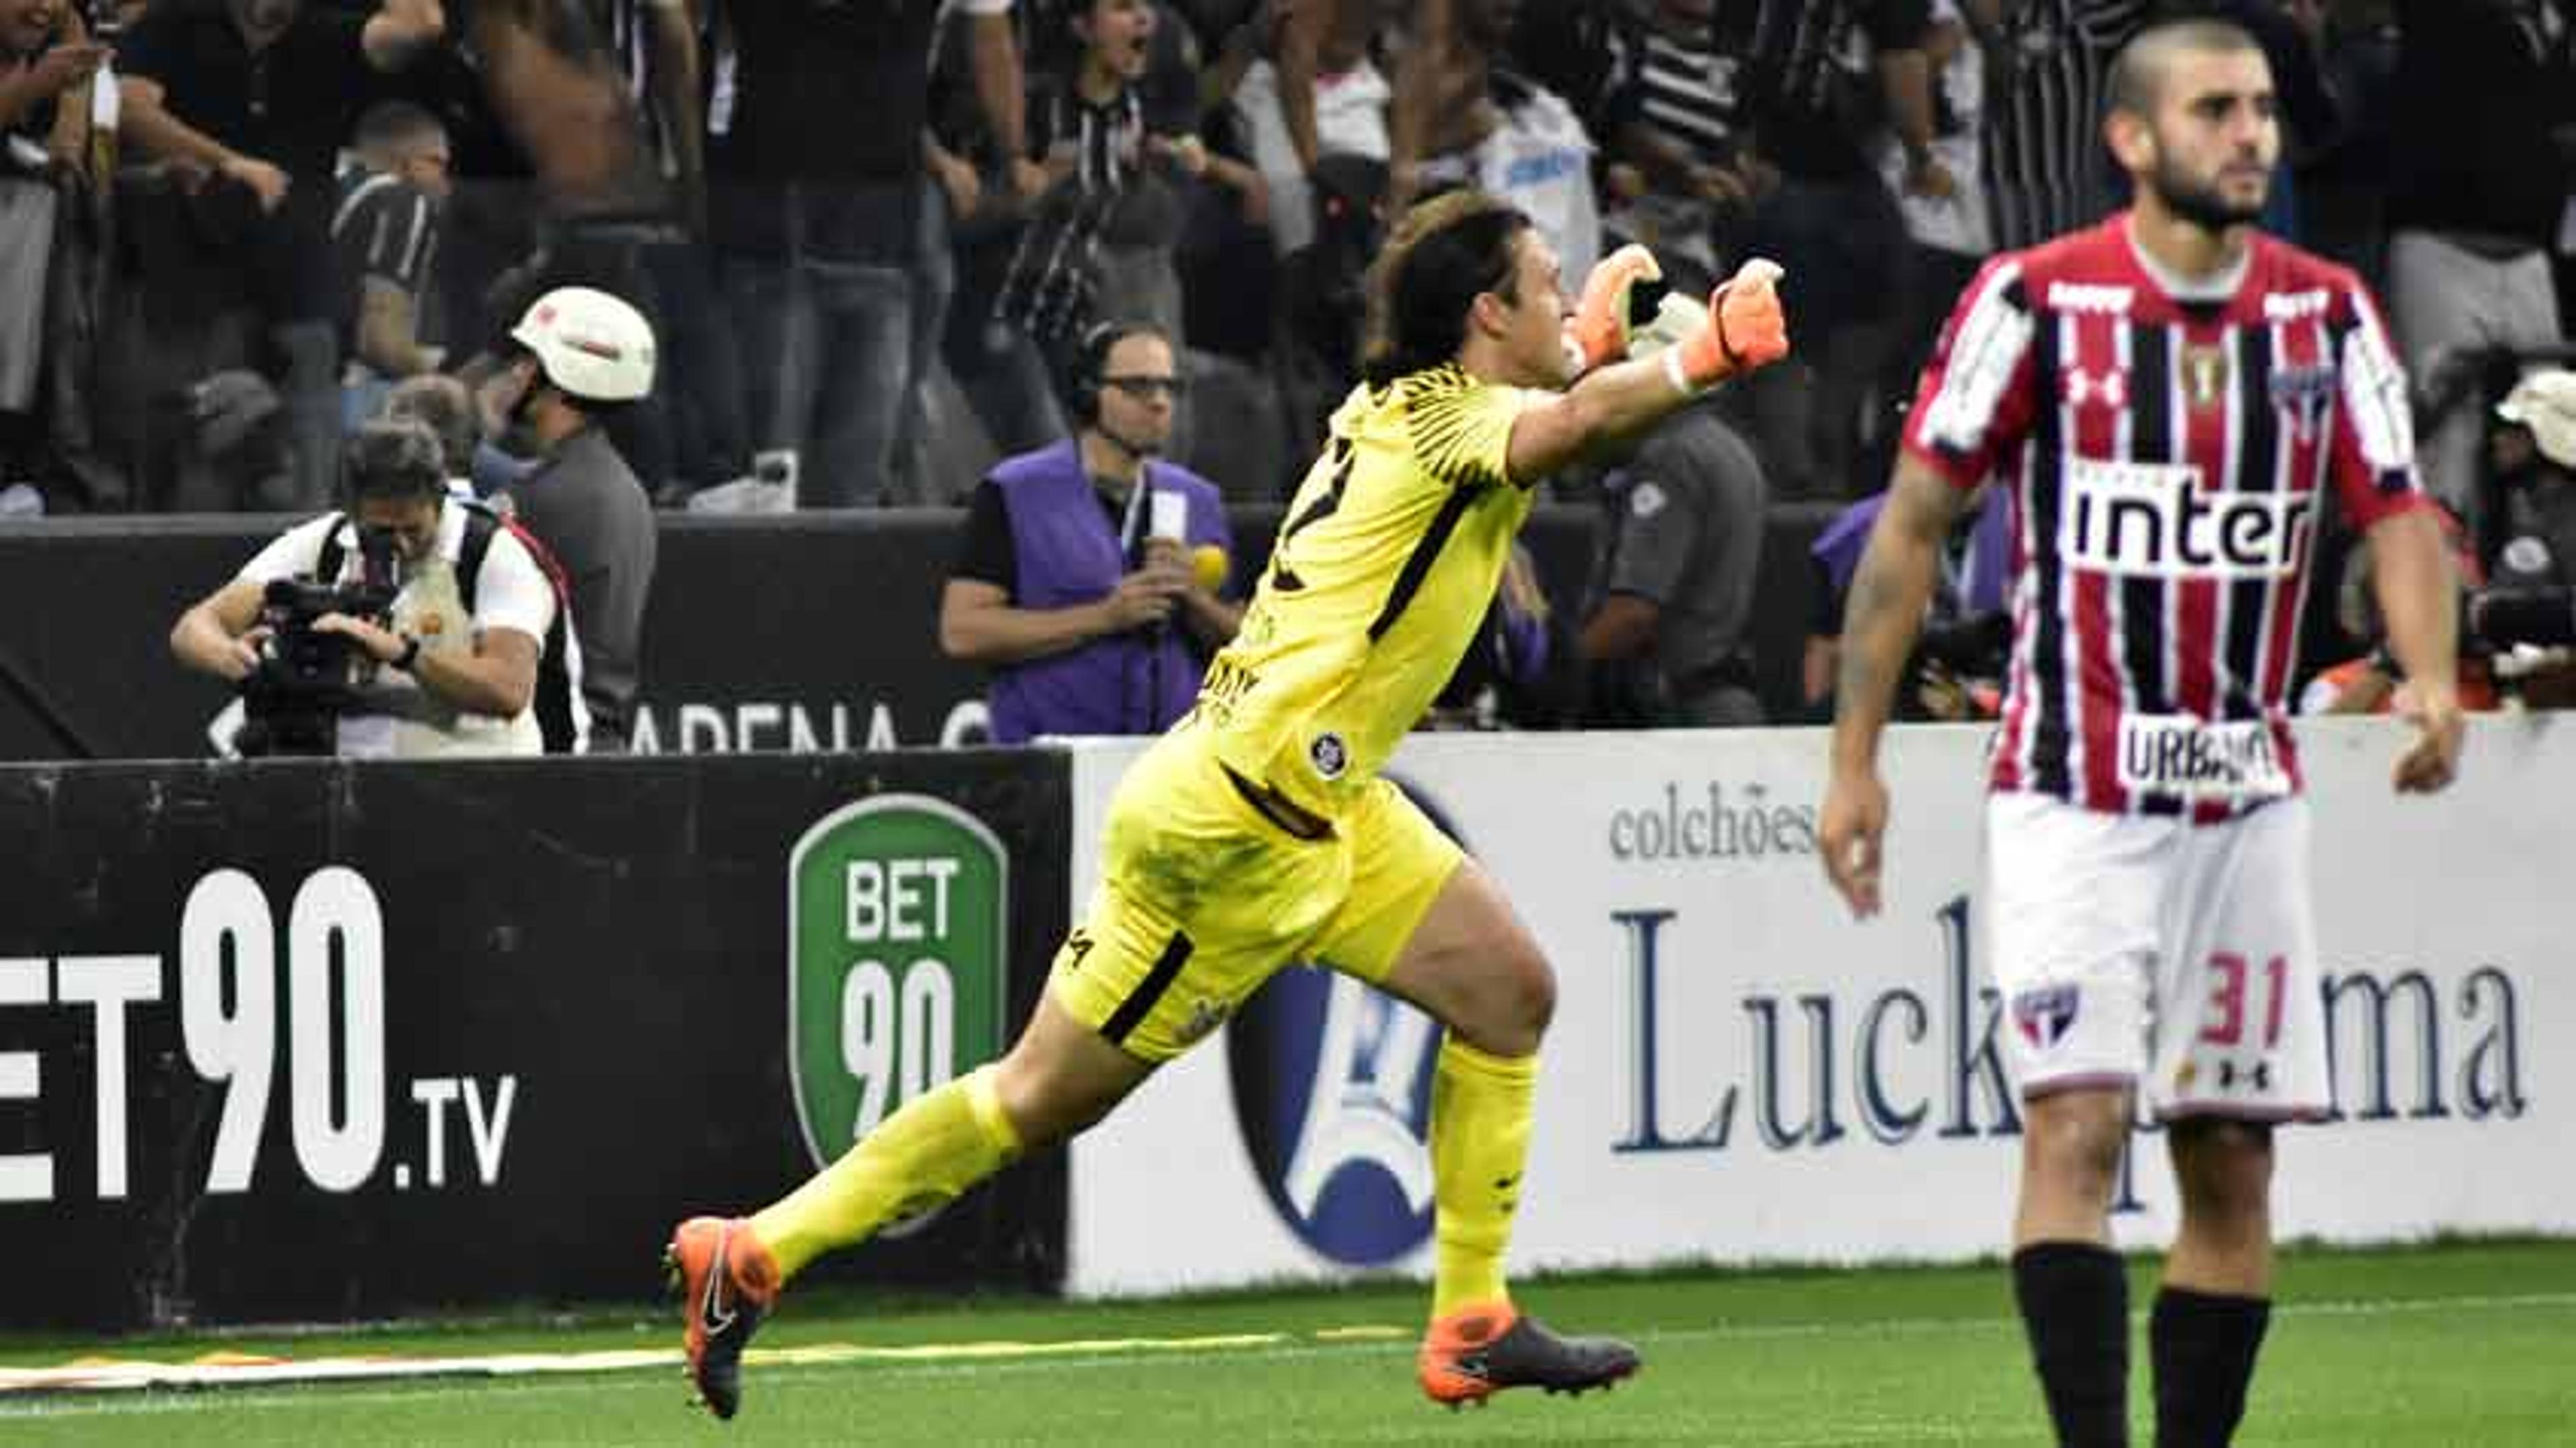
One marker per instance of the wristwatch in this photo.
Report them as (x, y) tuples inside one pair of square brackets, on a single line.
[(410, 654)]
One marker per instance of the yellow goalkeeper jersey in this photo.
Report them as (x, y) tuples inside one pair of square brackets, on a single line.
[(1386, 562)]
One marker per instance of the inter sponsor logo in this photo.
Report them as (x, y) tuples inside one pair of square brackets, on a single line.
[(2180, 754), (2156, 520)]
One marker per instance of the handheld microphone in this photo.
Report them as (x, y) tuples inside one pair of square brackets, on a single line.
[(1209, 566), (1165, 515)]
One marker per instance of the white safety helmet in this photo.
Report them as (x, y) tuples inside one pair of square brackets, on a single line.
[(590, 344), (2545, 402)]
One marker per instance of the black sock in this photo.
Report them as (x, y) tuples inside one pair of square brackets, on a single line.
[(2203, 1345), (2074, 1300)]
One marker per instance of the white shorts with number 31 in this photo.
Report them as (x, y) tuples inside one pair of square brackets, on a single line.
[(2151, 950)]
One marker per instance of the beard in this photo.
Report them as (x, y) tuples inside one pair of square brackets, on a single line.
[(519, 425), (2201, 202)]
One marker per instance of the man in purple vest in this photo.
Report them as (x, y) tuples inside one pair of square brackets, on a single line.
[(1089, 576)]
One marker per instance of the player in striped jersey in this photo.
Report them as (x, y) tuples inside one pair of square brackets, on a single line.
[(1259, 830), (2168, 399)]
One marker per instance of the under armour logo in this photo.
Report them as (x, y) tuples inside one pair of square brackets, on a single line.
[(2109, 387), (2260, 1077)]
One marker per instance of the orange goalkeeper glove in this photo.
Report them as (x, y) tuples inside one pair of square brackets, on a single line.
[(1745, 330), (1598, 332)]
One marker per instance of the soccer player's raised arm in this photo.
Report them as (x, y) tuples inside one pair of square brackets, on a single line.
[(1743, 330), (1889, 593)]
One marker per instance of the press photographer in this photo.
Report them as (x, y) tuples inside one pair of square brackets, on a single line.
[(2517, 634), (407, 623)]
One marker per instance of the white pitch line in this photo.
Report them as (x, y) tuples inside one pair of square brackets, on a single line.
[(514, 1372)]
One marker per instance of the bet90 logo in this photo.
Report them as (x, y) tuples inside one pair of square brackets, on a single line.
[(897, 908)]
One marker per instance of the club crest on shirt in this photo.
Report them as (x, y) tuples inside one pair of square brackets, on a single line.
[(1329, 755), (2204, 376), (2303, 395), (1205, 1016), (2045, 1015)]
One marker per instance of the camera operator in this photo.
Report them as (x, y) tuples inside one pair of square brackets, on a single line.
[(353, 633), (2532, 455), (2516, 627)]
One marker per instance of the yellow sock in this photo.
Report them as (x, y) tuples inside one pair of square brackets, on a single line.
[(1480, 1130), (935, 1147)]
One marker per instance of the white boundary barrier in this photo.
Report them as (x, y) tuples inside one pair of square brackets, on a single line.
[(1795, 1086)]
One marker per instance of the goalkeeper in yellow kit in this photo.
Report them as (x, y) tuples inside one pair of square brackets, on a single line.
[(1258, 832)]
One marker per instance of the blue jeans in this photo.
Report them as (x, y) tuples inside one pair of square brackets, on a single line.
[(702, 367), (361, 398), (934, 281), (1007, 383), (310, 391), (827, 361)]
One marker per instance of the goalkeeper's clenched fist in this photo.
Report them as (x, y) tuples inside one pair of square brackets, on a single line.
[(1744, 330), (1605, 317), (1739, 330)]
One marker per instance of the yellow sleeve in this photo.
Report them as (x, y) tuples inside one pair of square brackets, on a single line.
[(1462, 429)]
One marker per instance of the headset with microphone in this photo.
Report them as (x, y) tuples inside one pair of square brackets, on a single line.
[(1087, 375), (1090, 373), (1209, 564)]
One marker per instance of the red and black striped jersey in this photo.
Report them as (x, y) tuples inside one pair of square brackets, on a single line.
[(2166, 446)]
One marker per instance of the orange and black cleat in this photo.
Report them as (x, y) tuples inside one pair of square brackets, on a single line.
[(726, 1282), (1478, 1350)]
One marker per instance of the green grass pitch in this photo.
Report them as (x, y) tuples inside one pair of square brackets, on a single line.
[(2458, 1344)]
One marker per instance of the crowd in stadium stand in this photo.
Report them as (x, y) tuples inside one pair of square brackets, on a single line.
[(867, 235)]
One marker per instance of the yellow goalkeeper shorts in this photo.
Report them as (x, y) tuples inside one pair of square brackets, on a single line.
[(1207, 887)]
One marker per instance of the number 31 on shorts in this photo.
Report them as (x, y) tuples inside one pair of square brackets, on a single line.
[(2227, 1017)]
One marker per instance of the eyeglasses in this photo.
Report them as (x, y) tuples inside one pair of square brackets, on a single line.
[(1145, 389)]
